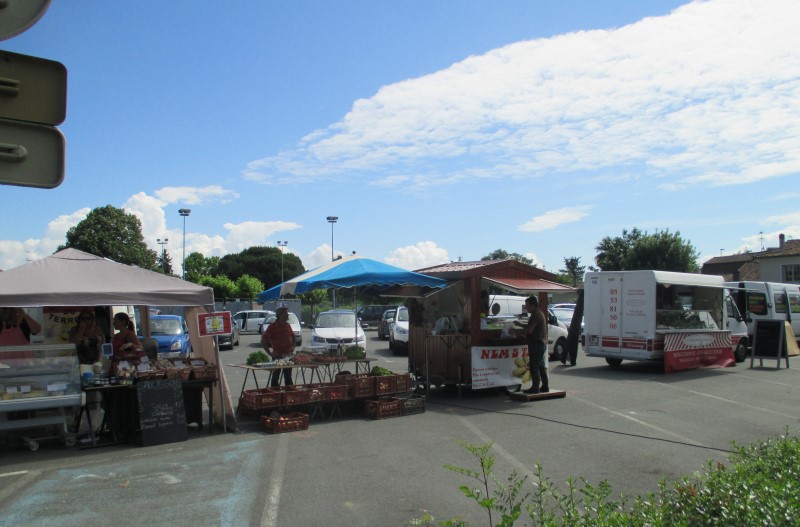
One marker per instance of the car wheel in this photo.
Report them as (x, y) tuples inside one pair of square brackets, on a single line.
[(236, 342), (559, 348), (741, 351), (613, 362), (391, 343)]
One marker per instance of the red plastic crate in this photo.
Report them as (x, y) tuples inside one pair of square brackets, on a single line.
[(261, 398), (385, 384), (361, 385), (384, 408), (291, 395), (287, 423)]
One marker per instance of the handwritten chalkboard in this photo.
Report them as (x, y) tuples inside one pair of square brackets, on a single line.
[(162, 418), (769, 341)]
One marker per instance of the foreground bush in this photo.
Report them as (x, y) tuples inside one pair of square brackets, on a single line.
[(759, 487)]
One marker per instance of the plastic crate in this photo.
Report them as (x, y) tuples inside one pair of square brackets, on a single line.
[(360, 385), (403, 382), (261, 398), (336, 392), (384, 408), (414, 404), (316, 392), (291, 395), (286, 423), (385, 384)]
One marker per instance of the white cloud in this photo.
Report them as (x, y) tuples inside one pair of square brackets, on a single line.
[(250, 233), (707, 95), (553, 218), (196, 195), (792, 217), (418, 256)]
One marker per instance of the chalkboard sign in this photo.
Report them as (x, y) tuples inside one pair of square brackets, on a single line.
[(162, 418), (769, 341)]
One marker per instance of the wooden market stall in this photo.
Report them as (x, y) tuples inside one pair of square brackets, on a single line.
[(450, 331)]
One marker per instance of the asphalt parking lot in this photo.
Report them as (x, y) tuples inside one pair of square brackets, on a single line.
[(630, 426)]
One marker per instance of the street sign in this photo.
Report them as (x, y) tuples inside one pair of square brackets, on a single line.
[(31, 155), (18, 15), (33, 99), (211, 324)]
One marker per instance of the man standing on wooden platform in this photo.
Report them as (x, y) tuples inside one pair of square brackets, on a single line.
[(535, 332)]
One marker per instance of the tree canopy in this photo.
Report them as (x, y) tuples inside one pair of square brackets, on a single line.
[(573, 270), (662, 251), (263, 263), (112, 233), (500, 254)]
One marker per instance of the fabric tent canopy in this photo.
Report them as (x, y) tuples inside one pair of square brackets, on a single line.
[(351, 271), (75, 278)]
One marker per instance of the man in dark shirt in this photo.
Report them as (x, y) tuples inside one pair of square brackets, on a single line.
[(278, 340), (535, 332)]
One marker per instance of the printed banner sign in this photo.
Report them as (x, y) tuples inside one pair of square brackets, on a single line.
[(211, 324), (497, 366), (697, 349)]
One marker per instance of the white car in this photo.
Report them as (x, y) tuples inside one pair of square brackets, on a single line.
[(249, 320), (398, 330), (293, 321), (337, 329)]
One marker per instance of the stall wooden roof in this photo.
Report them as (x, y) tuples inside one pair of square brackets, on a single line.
[(510, 272)]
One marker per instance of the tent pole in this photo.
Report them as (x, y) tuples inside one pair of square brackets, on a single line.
[(219, 366)]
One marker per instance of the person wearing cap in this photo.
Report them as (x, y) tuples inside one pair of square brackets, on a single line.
[(535, 332), (278, 341)]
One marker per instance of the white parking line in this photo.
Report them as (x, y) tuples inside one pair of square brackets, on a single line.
[(735, 403), (522, 469), (269, 517)]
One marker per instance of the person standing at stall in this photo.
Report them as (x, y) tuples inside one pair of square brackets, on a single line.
[(125, 344), (16, 327), (278, 341), (535, 332)]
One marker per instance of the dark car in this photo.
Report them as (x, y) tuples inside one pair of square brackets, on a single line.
[(383, 325), (231, 339), (370, 316)]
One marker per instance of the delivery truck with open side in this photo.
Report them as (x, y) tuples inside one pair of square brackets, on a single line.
[(687, 320)]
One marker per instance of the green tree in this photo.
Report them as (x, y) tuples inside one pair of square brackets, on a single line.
[(223, 286), (573, 269), (263, 263), (314, 298), (662, 250), (500, 254), (112, 233), (198, 266), (248, 286), (164, 262)]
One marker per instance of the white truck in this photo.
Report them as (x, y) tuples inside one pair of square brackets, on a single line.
[(767, 301), (638, 315)]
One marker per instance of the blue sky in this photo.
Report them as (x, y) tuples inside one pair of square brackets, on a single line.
[(433, 130)]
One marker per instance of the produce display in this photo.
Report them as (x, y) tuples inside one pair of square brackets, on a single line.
[(377, 370), (257, 357)]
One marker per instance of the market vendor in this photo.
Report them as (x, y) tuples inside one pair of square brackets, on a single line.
[(16, 327), (278, 341), (87, 328), (125, 345)]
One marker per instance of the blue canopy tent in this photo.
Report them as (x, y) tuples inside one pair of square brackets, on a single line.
[(352, 271)]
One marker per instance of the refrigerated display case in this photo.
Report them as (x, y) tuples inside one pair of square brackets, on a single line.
[(40, 385)]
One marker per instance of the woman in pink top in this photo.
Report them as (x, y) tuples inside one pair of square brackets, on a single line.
[(16, 327)]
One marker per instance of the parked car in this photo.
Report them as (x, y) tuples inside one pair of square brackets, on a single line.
[(337, 329), (398, 330), (231, 339), (249, 320), (172, 334), (564, 315), (566, 306), (370, 316), (384, 324), (293, 321)]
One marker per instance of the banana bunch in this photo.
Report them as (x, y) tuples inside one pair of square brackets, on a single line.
[(522, 371)]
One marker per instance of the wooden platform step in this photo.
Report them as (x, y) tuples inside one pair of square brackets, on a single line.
[(525, 397)]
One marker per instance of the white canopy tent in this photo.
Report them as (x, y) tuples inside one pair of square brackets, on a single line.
[(75, 278)]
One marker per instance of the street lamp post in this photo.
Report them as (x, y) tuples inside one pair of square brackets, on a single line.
[(332, 220), (184, 213), (282, 245), (163, 243)]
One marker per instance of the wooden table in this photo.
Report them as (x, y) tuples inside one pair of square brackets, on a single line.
[(251, 370), (330, 369)]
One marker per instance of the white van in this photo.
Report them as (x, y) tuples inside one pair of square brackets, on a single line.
[(767, 301), (507, 306)]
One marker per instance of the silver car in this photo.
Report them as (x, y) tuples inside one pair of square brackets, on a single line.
[(293, 321), (250, 320)]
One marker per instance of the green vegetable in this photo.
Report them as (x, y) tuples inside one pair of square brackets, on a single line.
[(355, 352), (257, 357), (377, 370)]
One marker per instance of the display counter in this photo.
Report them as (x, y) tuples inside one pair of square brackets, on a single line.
[(37, 386)]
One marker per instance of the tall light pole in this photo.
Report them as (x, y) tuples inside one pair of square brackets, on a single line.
[(184, 213), (332, 220), (162, 243), (282, 245)]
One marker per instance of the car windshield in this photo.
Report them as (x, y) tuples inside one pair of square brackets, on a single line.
[(564, 315), (402, 315), (293, 321), (168, 326), (336, 320)]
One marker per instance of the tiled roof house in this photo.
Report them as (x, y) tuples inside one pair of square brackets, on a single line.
[(781, 264)]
